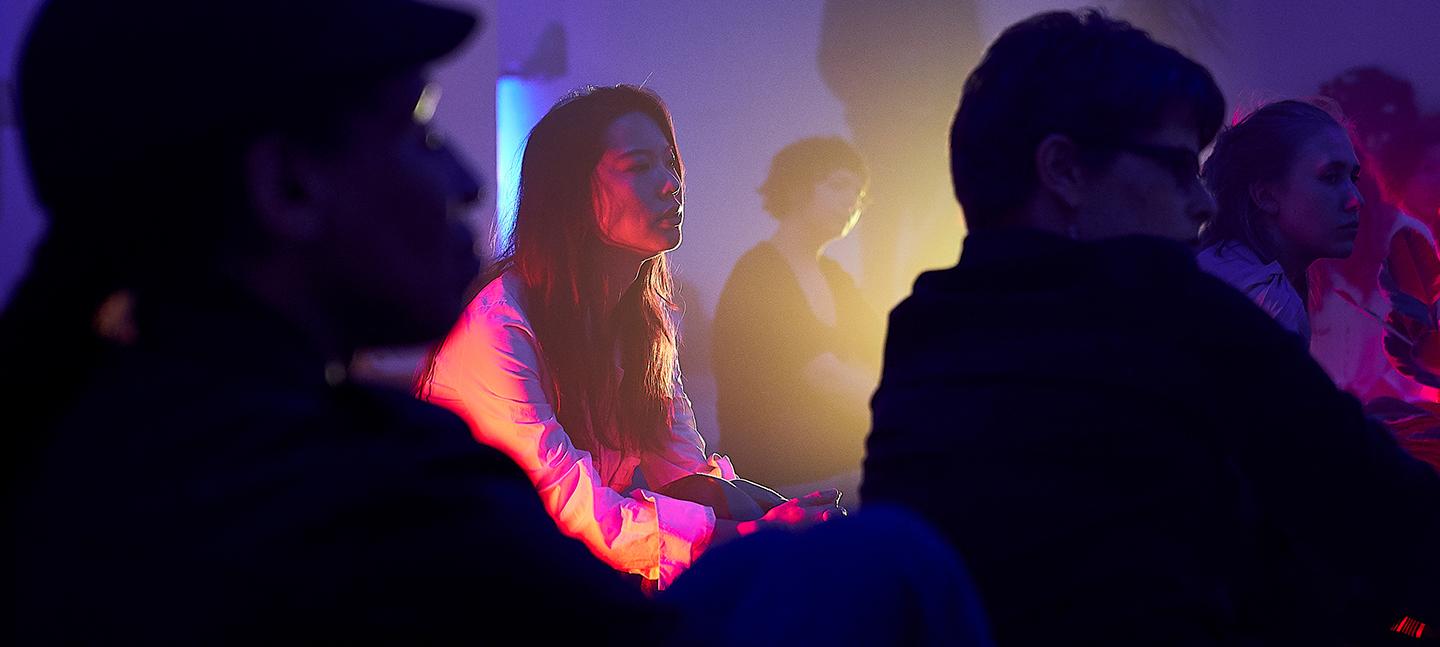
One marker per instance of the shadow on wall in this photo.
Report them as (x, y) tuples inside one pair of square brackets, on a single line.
[(898, 68)]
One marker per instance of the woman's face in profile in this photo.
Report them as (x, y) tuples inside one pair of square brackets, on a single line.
[(835, 202), (636, 188), (1317, 204)]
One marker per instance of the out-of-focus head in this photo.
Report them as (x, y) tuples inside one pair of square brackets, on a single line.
[(1093, 115), (1285, 183), (1379, 106), (1400, 147), (819, 182), (179, 133), (1416, 165), (601, 168)]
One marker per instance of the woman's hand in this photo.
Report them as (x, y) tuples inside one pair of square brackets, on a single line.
[(803, 512)]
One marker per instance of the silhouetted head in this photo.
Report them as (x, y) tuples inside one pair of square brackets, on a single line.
[(1285, 185), (1092, 117), (183, 141), (818, 183)]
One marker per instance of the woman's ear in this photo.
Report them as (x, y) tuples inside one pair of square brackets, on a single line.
[(1059, 171), (286, 189), (1263, 194)]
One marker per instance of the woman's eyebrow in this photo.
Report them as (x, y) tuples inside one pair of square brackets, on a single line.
[(636, 153)]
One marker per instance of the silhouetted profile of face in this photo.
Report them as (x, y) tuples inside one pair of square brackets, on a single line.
[(636, 188), (834, 205), (1150, 188), (392, 245)]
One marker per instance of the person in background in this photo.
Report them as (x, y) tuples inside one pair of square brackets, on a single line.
[(1124, 449), (566, 358), (1370, 348), (796, 348), (1285, 181), (197, 468), (1347, 307)]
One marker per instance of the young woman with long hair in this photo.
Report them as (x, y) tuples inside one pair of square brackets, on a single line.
[(1285, 185), (566, 359)]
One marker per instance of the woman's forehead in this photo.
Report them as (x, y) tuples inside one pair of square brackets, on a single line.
[(634, 130)]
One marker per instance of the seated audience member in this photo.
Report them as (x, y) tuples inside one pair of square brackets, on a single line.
[(1284, 180), (1124, 449), (566, 358), (796, 348), (1346, 307), (239, 195)]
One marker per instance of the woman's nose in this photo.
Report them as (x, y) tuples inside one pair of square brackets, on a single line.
[(1355, 200), (672, 184)]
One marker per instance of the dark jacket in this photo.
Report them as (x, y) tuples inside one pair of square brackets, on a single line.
[(777, 428), (1127, 451), (211, 486)]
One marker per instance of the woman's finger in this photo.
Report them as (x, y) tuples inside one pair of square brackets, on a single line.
[(829, 496)]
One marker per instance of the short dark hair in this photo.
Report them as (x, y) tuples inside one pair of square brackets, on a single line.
[(1259, 148), (1084, 75), (797, 168)]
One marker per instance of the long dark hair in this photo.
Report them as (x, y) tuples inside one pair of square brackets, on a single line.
[(1259, 148), (556, 250)]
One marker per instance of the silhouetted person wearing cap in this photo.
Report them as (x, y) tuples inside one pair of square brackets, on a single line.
[(1126, 451), (240, 194)]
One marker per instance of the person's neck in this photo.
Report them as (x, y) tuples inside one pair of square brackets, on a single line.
[(1293, 262), (283, 284), (1042, 213), (1296, 267), (619, 270), (798, 245)]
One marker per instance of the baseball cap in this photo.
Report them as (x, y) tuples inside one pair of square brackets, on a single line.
[(103, 84)]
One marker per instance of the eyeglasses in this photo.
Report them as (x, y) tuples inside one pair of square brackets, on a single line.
[(1182, 163)]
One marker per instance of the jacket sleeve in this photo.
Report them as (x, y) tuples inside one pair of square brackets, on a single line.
[(488, 371)]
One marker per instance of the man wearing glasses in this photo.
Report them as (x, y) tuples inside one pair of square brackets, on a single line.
[(1124, 449)]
